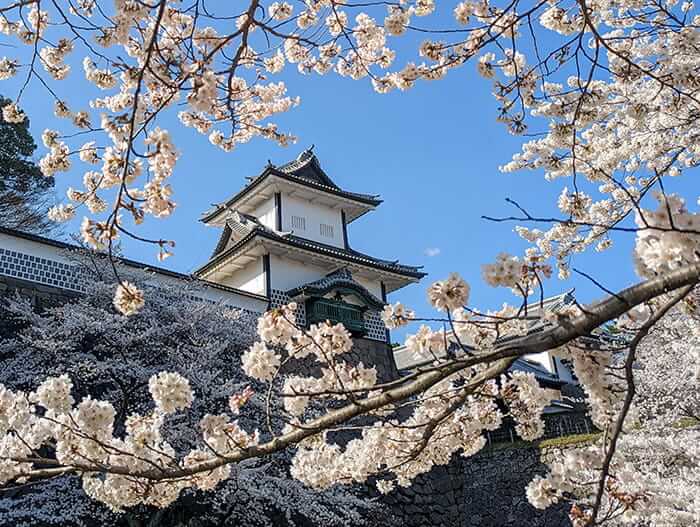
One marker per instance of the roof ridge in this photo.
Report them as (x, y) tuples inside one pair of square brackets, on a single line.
[(314, 172)]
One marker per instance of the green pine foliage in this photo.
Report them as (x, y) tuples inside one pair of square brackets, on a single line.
[(25, 194)]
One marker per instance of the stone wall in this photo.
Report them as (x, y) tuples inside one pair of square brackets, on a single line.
[(374, 353), (486, 490), (435, 499), (494, 490)]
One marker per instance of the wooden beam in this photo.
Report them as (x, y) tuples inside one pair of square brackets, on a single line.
[(278, 211), (346, 244), (268, 278)]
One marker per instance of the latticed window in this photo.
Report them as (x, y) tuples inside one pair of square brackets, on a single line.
[(327, 230), (322, 309), (299, 222)]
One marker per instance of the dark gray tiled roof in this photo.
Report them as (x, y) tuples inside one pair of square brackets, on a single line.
[(307, 166), (305, 169), (357, 256), (244, 228)]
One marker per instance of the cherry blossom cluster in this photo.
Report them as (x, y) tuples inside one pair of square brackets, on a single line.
[(324, 343), (652, 480), (450, 294), (669, 384), (618, 125), (445, 421), (651, 477), (396, 315), (592, 368), (128, 299), (526, 401), (52, 59), (83, 435), (668, 238), (522, 276)]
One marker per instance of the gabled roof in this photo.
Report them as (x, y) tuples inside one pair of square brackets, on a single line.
[(305, 170), (307, 166), (238, 226), (340, 279), (243, 229)]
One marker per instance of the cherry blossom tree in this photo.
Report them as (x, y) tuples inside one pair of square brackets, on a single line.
[(614, 84), (654, 479), (111, 357), (668, 380)]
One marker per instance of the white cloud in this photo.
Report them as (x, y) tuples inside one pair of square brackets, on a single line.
[(432, 251)]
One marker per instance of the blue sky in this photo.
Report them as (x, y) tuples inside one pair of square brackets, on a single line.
[(432, 153)]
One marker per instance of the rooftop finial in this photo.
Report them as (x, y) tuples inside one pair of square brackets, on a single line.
[(306, 154)]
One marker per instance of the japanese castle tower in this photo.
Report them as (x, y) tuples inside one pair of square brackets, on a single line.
[(284, 236)]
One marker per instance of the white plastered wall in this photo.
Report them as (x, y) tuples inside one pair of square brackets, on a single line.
[(373, 286), (314, 214), (266, 213), (250, 278), (286, 274), (552, 364), (542, 358), (41, 250)]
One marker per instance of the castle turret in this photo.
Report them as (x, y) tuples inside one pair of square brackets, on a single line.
[(285, 236)]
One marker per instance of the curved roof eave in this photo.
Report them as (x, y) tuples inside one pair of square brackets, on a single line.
[(334, 252)]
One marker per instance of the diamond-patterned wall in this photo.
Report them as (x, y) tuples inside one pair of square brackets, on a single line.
[(279, 298), (63, 276), (376, 330)]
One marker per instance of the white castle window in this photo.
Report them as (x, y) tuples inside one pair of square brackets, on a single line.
[(299, 222), (326, 230)]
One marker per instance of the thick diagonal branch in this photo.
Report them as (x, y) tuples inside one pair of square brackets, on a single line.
[(498, 360)]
